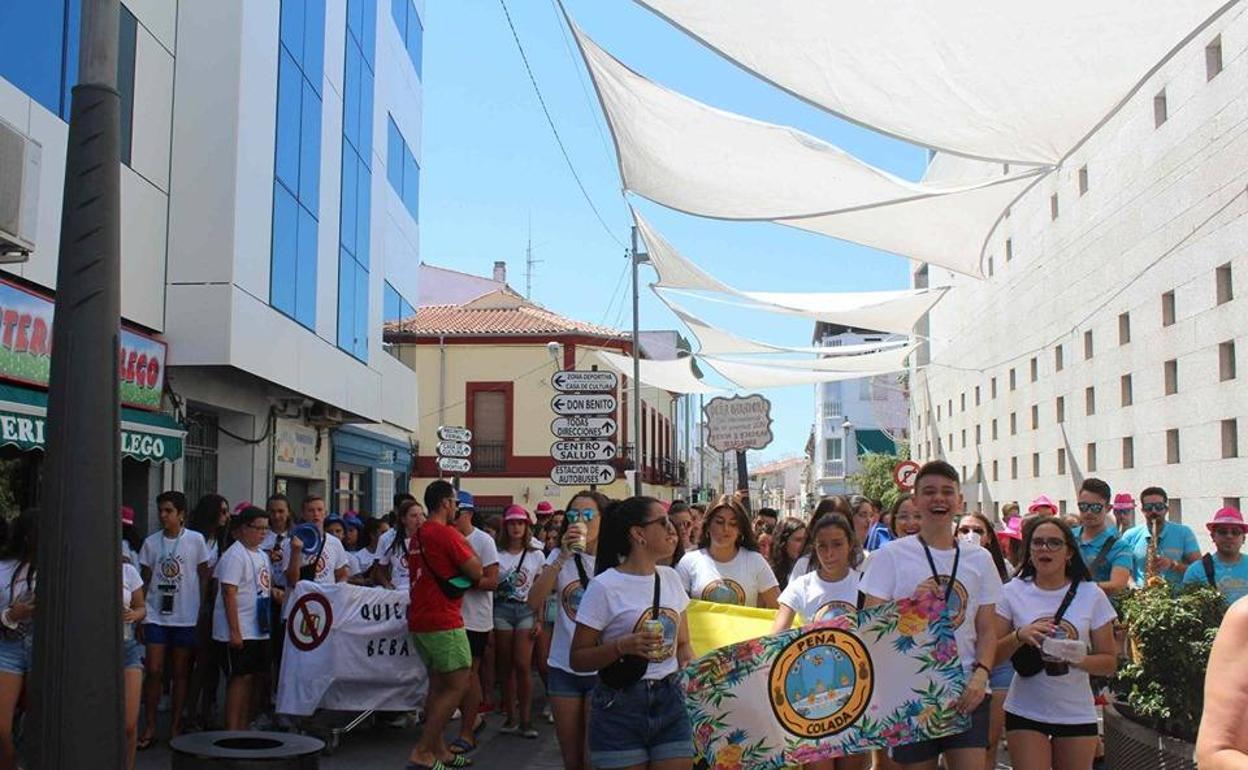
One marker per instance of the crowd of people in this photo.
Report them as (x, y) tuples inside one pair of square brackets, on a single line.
[(594, 597)]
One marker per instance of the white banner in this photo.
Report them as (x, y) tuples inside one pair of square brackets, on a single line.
[(347, 649)]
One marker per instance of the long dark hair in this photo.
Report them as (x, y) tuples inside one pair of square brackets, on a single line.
[(745, 533), (614, 544), (1075, 568), (833, 504), (781, 563), (994, 547), (206, 519), (841, 523), (132, 537), (399, 543), (22, 545), (892, 512)]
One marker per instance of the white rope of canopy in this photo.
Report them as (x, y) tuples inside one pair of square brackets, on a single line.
[(1016, 80), (708, 162)]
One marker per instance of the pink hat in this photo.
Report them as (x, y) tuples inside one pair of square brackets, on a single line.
[(1013, 530), (1040, 502), (544, 508), (1227, 516), (127, 515), (1123, 501), (515, 513)]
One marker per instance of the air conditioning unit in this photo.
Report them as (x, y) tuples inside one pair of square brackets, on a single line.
[(19, 193), (322, 415)]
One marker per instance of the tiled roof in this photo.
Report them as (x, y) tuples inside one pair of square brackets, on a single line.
[(505, 315), (777, 465)]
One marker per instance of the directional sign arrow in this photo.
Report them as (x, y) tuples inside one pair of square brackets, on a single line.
[(454, 465), (582, 451), (583, 404), (453, 433), (585, 381), (582, 475), (583, 427)]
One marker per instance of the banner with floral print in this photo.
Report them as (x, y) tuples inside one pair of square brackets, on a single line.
[(829, 689)]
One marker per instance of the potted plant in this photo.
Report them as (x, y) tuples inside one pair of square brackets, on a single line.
[(1159, 693)]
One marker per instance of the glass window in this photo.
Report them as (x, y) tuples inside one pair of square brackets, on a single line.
[(305, 284), (398, 10), (351, 96), (365, 145), (366, 32), (392, 304), (411, 183), (415, 37), (350, 172), (346, 300), (314, 43), (361, 313), (310, 152), (127, 38), (285, 250), (363, 198), (394, 156), (32, 59), (289, 113), (292, 27)]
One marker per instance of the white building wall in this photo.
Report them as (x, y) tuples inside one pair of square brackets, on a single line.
[(1164, 209)]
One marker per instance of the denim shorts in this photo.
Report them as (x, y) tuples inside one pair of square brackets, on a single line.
[(513, 616), (561, 684), (132, 654), (974, 738), (645, 722), (173, 636), (15, 655), (1001, 676)]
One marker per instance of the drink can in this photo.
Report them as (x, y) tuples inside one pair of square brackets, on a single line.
[(578, 545), (653, 628)]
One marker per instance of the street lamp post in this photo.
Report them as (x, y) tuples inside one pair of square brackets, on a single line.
[(76, 685)]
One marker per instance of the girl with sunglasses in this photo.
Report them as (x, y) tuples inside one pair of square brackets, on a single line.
[(727, 567), (1057, 627), (631, 628), (975, 528), (566, 575)]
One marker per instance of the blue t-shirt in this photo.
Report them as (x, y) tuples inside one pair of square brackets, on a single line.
[(1231, 579), (1118, 555), (1176, 540)]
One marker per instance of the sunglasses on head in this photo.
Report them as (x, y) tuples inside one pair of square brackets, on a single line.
[(1091, 507), (1154, 507), (574, 516)]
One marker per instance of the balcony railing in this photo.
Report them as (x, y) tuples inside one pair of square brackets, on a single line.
[(489, 456)]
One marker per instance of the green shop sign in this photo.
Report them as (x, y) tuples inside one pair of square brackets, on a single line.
[(145, 436)]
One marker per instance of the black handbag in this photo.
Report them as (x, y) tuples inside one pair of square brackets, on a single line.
[(629, 669), (452, 588), (1028, 660)]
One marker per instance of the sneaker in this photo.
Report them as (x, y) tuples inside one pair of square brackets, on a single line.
[(527, 731), (547, 715), (486, 707), (509, 728), (397, 721), (263, 723)]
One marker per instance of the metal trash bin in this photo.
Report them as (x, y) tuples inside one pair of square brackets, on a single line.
[(235, 750)]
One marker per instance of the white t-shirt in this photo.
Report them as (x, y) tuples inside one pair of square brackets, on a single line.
[(478, 607), (1066, 699), (174, 563), (900, 570), (615, 604), (249, 571), (815, 599), (361, 561), (400, 575), (333, 557), (10, 588), (131, 581), (568, 592), (516, 573), (278, 568), (800, 567), (128, 555), (738, 581)]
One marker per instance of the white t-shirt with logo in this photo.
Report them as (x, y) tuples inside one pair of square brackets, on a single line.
[(249, 571), (1066, 699), (568, 593), (516, 573), (174, 562), (278, 568), (333, 557), (737, 581), (815, 599), (396, 557), (478, 607), (900, 570), (616, 602), (800, 567)]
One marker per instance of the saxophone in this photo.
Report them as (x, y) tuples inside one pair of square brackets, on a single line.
[(1151, 578)]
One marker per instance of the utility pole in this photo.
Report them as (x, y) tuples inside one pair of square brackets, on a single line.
[(637, 258), (76, 673)]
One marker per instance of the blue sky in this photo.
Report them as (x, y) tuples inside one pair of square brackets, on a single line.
[(491, 166)]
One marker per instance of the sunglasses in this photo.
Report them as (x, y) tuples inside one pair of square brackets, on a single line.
[(1048, 544), (1154, 507), (663, 520), (968, 530), (1228, 531), (1091, 507), (573, 516)]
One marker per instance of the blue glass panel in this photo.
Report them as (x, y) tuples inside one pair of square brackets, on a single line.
[(346, 301), (310, 152), (411, 184), (351, 96), (314, 43), (289, 90), (408, 310), (33, 35), (363, 202), (415, 38), (361, 313), (292, 27), (346, 223), (127, 38), (283, 269), (305, 287), (366, 116), (368, 35), (392, 304), (394, 156), (398, 10), (355, 17)]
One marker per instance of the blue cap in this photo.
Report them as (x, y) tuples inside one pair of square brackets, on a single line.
[(465, 501)]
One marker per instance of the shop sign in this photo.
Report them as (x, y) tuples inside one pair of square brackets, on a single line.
[(28, 431), (738, 423), (295, 452), (26, 349)]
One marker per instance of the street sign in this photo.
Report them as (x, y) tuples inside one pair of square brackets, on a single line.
[(453, 449), (583, 427), (904, 474), (582, 451), (454, 465), (452, 433), (582, 475), (572, 381), (574, 404), (738, 423)]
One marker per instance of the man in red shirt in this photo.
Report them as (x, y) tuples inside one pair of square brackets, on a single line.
[(437, 554)]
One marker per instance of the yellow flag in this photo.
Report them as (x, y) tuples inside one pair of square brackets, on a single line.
[(713, 625)]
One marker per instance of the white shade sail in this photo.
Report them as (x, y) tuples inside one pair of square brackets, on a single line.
[(881, 360), (675, 375), (748, 376), (1016, 81)]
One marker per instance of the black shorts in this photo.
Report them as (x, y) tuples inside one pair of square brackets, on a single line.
[(251, 658), (1052, 730), (974, 738), (477, 642)]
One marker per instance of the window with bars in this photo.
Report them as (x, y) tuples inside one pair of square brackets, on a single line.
[(489, 431), (201, 455)]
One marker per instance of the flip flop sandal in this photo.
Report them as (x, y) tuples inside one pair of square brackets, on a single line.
[(459, 760), (462, 746), (146, 743), (417, 766), (527, 731)]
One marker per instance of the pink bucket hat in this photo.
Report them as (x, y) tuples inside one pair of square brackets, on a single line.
[(544, 508), (515, 513), (127, 515), (1013, 530), (1040, 502), (1227, 517), (1123, 501)]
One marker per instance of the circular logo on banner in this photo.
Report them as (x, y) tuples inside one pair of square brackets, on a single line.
[(957, 599), (570, 598), (170, 568), (834, 610), (725, 591), (309, 622), (671, 628), (821, 683)]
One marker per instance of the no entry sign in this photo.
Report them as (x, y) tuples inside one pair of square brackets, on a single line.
[(904, 474)]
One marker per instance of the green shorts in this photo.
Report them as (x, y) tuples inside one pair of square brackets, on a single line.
[(443, 651)]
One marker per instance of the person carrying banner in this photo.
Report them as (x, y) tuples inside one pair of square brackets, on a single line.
[(443, 567), (727, 566), (1057, 628), (390, 569), (963, 575), (632, 629), (833, 504), (566, 576)]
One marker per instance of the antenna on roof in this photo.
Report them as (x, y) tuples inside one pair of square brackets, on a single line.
[(529, 262)]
